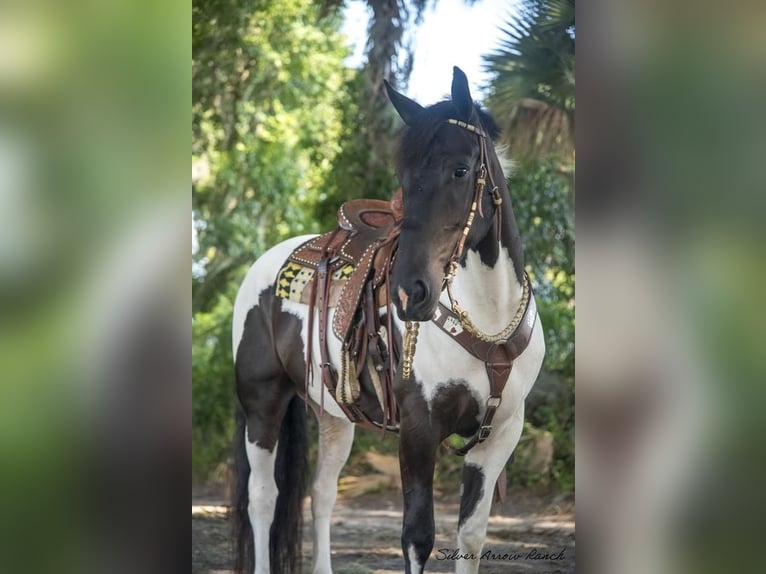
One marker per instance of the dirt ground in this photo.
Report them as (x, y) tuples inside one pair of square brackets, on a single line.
[(366, 534)]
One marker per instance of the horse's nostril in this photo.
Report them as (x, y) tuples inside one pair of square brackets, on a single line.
[(419, 291)]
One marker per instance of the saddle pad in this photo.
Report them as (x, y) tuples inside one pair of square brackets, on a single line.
[(294, 282), (294, 278)]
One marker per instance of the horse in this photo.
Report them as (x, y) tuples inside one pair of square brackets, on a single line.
[(456, 276)]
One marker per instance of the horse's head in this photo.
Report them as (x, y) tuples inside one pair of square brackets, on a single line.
[(440, 165)]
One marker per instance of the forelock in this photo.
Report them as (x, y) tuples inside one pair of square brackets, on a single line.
[(417, 138)]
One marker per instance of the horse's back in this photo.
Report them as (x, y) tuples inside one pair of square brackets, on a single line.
[(260, 276)]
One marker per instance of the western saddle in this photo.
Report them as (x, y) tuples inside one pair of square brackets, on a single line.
[(349, 269)]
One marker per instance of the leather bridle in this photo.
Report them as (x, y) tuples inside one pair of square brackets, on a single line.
[(498, 351), (481, 180)]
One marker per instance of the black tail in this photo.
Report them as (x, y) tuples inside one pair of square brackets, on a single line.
[(242, 532), (290, 470)]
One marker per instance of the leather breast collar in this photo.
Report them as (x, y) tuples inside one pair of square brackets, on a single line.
[(497, 356)]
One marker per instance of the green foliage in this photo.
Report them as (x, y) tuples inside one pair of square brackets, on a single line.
[(543, 203), (268, 82), (268, 79), (212, 388), (360, 169), (525, 469), (536, 59)]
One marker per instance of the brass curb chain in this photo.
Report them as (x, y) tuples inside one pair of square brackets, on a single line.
[(503, 335), (411, 328)]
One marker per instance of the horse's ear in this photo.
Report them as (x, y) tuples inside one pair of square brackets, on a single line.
[(461, 95), (407, 109)]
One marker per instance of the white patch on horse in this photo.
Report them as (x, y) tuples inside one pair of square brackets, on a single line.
[(490, 295), (262, 499), (415, 566), (490, 457), (440, 359), (335, 439)]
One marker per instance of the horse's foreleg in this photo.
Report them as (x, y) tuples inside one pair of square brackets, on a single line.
[(335, 439), (483, 465), (417, 454)]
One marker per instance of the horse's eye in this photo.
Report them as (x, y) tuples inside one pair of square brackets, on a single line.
[(460, 172)]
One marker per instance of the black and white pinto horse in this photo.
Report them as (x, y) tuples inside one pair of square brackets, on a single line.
[(438, 164)]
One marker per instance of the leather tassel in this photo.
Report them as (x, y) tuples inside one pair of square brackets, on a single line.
[(348, 390), (353, 380), (309, 373)]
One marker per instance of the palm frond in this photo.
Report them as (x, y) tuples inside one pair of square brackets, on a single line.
[(532, 93)]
